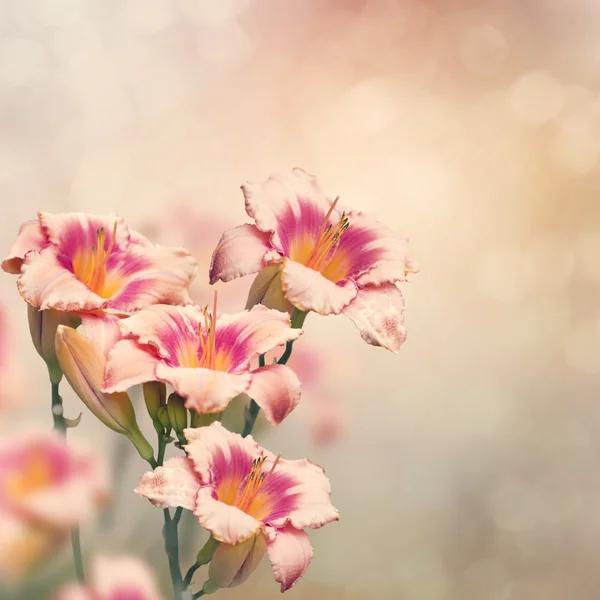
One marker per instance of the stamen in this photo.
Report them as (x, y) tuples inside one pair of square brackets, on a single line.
[(328, 238), (209, 344)]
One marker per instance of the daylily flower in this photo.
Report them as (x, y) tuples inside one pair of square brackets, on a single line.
[(206, 358), (82, 358), (76, 262), (248, 499), (46, 487), (317, 258), (118, 578)]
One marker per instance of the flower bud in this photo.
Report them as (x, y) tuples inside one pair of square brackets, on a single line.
[(163, 418), (83, 366), (155, 396), (232, 564), (177, 412), (266, 290), (42, 326)]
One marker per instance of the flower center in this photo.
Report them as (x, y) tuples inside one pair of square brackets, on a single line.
[(211, 357), (90, 267), (253, 498), (35, 475), (325, 247)]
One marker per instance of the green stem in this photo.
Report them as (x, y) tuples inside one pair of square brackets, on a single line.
[(172, 550), (57, 411), (253, 411), (77, 556), (204, 557)]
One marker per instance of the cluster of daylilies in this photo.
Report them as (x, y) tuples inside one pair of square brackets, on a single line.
[(109, 310)]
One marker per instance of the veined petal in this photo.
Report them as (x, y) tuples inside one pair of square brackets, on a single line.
[(174, 484), (277, 390), (225, 522), (247, 334), (205, 390), (302, 494), (290, 554), (220, 455), (308, 290), (289, 205), (150, 275), (378, 312), (46, 282), (240, 251), (76, 232), (30, 237), (167, 329), (128, 364)]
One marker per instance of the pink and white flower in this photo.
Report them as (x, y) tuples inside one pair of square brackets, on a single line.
[(114, 578), (206, 358), (244, 494), (76, 262), (46, 487), (319, 258)]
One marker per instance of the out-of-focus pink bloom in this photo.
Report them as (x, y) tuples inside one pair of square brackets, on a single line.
[(13, 387), (46, 487), (77, 262), (321, 259), (241, 493), (114, 578), (206, 358)]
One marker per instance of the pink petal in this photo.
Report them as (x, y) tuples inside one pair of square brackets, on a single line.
[(73, 232), (226, 523), (45, 282), (378, 312), (277, 390), (240, 251), (167, 329), (290, 554), (151, 275), (250, 333), (128, 364), (30, 237), (123, 577), (308, 290), (219, 454), (74, 591), (303, 496), (174, 484), (205, 390), (288, 205)]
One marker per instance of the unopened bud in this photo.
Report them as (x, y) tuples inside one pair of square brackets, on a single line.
[(177, 412), (155, 396)]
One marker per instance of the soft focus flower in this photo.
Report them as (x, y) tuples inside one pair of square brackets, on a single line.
[(115, 578), (206, 357), (46, 487), (83, 361), (243, 493), (79, 263), (321, 259)]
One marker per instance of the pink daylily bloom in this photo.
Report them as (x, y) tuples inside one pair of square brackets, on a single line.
[(114, 578), (206, 358), (76, 262), (238, 491), (46, 487), (328, 261)]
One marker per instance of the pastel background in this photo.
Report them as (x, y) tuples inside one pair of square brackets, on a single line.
[(464, 468)]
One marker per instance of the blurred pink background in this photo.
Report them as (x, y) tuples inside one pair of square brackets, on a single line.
[(467, 466)]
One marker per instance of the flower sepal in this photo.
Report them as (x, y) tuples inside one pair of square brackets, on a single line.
[(232, 564)]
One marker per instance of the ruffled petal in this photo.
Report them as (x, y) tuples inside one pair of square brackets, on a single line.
[(174, 484), (378, 312), (128, 364), (243, 336), (150, 275), (219, 454), (205, 390), (290, 206), (277, 390), (240, 252), (301, 496), (47, 282), (30, 237), (308, 290), (124, 577), (226, 523), (290, 554)]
